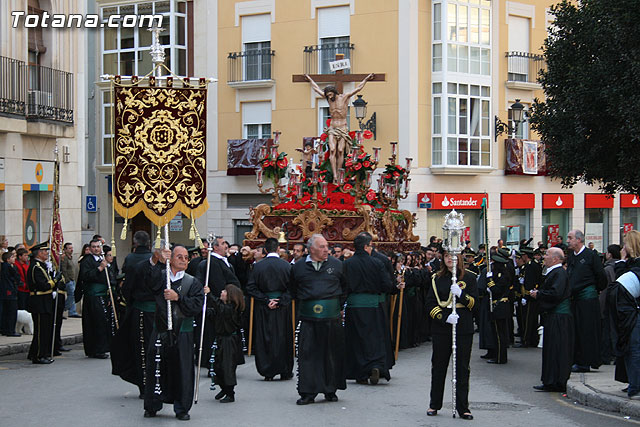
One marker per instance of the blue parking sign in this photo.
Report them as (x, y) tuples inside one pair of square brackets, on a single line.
[(91, 204)]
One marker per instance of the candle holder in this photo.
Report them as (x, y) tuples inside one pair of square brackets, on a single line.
[(273, 166)]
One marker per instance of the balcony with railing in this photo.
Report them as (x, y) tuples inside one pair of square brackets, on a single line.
[(13, 87), (250, 68), (523, 69), (317, 57), (50, 94)]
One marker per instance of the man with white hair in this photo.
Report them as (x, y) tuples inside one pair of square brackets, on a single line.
[(586, 278), (319, 286), (554, 298)]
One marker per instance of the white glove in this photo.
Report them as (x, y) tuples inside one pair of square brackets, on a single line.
[(521, 280), (455, 289), (524, 302), (53, 294), (453, 319), (489, 274)]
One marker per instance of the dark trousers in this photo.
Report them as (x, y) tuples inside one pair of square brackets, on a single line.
[(501, 334), (60, 312), (530, 318), (22, 300), (439, 366), (42, 335), (8, 316)]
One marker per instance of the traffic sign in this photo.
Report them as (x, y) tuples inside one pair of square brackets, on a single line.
[(91, 204)]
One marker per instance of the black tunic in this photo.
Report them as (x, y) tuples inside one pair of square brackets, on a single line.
[(532, 280), (320, 342), (487, 339), (97, 314), (226, 349), (40, 305), (586, 275), (557, 345), (272, 329), (366, 329), (169, 367)]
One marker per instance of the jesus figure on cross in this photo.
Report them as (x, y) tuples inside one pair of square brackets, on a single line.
[(338, 133)]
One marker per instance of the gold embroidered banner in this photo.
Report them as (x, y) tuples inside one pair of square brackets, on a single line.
[(160, 152)]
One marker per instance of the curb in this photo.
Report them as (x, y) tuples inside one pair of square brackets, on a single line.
[(23, 347), (587, 396)]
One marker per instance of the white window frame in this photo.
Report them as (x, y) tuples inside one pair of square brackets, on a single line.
[(106, 127)]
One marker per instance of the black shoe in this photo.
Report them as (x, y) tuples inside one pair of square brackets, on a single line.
[(543, 387), (229, 398), (220, 395), (375, 376), (64, 349), (432, 412), (578, 368), (330, 397), (495, 362), (305, 400), (362, 382), (100, 356), (149, 414), (626, 389), (42, 361), (57, 353), (268, 378), (487, 356), (13, 334), (285, 377), (76, 316), (520, 345), (466, 416), (183, 417)]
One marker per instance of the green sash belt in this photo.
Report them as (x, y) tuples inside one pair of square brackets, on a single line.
[(363, 300), (587, 293), (563, 308), (95, 289), (320, 308), (187, 324), (382, 298), (274, 294), (146, 306)]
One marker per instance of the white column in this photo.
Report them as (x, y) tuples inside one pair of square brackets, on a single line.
[(408, 82)]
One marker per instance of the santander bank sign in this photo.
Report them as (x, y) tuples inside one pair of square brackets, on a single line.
[(457, 200)]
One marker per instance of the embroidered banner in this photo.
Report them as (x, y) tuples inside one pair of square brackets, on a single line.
[(160, 152)]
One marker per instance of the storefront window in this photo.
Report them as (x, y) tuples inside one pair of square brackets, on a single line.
[(514, 226), (555, 222), (629, 220), (435, 219), (596, 228)]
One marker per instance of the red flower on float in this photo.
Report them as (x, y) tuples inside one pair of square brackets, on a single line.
[(371, 195), (358, 166), (323, 137), (348, 164), (326, 155), (367, 134), (347, 187), (395, 173), (282, 164), (366, 163), (352, 134), (328, 122), (266, 164), (362, 156)]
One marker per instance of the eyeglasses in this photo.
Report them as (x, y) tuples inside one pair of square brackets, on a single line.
[(182, 257)]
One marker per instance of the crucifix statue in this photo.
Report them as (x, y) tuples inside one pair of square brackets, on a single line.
[(338, 133)]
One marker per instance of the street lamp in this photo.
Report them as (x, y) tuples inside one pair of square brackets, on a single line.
[(452, 230), (360, 106), (517, 115)]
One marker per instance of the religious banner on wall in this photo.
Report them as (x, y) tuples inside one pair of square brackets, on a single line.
[(160, 152), (530, 157), (553, 232), (593, 233)]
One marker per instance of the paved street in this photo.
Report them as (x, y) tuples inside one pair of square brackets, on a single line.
[(75, 388)]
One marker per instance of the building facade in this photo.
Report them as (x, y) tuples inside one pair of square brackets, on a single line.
[(41, 106), (453, 69)]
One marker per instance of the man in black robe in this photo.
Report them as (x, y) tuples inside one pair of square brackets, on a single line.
[(129, 344), (194, 263), (97, 312), (318, 284), (221, 274), (273, 330), (557, 346), (385, 303), (169, 369), (498, 282), (366, 330), (531, 279), (586, 277)]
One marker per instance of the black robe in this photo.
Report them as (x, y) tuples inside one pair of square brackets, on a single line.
[(98, 324), (320, 342), (366, 329), (558, 341), (226, 351), (220, 275), (386, 307), (272, 329), (586, 275), (169, 368), (40, 305), (129, 344), (487, 338)]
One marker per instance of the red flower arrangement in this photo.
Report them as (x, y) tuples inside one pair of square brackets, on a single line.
[(393, 172), (367, 134), (358, 165), (275, 169)]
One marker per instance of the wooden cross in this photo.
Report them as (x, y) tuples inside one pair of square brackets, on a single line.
[(339, 77)]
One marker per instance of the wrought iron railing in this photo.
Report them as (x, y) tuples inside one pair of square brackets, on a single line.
[(13, 86), (524, 67), (49, 94), (250, 65), (317, 57)]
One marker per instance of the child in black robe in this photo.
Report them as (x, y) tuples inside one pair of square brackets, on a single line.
[(226, 314)]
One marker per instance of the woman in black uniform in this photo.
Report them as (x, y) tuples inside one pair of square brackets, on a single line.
[(438, 304)]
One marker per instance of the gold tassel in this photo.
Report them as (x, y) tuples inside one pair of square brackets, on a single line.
[(158, 238), (123, 234), (192, 233), (198, 239), (113, 247)]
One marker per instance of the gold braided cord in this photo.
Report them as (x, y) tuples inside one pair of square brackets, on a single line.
[(448, 301)]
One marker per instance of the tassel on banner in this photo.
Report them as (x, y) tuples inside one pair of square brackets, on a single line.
[(158, 238), (113, 247), (192, 233), (123, 234), (198, 239)]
